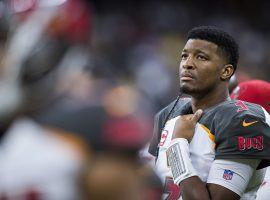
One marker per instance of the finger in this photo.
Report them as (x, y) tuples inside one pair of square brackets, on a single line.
[(197, 115), (187, 117)]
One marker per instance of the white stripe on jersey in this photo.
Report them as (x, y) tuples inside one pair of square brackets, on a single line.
[(267, 116)]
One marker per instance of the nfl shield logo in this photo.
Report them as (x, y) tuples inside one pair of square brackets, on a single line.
[(228, 174)]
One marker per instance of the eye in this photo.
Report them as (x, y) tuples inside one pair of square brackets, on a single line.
[(202, 57), (184, 56)]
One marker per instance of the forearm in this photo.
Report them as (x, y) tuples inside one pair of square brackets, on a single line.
[(183, 172), (193, 188), (186, 176)]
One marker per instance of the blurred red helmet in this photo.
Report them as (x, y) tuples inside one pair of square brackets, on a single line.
[(254, 91)]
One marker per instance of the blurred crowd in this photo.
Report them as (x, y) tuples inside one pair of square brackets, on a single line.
[(140, 41), (84, 78)]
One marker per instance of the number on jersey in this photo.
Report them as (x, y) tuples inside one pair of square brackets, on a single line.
[(241, 106), (171, 189)]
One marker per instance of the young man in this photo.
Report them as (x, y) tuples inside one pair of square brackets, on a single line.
[(231, 139)]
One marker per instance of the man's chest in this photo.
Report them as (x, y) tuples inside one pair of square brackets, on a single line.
[(202, 151)]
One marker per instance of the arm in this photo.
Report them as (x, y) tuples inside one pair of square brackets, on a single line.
[(194, 188), (191, 185), (227, 179)]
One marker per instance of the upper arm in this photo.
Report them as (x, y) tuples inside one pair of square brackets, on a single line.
[(228, 179)]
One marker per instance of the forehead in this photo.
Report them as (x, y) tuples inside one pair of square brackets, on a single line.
[(200, 45)]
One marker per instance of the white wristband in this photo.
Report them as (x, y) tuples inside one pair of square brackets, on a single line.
[(179, 160)]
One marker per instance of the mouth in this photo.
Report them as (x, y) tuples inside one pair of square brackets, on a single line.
[(186, 77)]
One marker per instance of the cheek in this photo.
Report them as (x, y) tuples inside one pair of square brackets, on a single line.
[(208, 77)]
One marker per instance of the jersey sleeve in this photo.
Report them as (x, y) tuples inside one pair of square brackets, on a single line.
[(233, 174), (244, 134), (160, 120)]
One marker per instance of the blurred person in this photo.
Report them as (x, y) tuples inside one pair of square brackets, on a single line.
[(214, 153), (104, 125), (114, 176), (37, 161), (125, 132), (115, 132), (54, 117), (256, 91)]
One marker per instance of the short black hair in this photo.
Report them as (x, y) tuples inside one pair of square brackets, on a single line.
[(219, 37)]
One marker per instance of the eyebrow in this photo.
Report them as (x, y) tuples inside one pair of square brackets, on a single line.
[(196, 51)]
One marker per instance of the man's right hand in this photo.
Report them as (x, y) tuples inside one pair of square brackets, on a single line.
[(185, 125)]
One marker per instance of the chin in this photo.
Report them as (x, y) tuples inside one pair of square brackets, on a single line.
[(186, 90)]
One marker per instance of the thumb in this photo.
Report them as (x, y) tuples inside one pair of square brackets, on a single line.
[(197, 115)]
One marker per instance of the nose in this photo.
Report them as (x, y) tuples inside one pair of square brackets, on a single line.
[(187, 64)]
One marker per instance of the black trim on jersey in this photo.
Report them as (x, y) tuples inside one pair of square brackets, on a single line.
[(182, 107)]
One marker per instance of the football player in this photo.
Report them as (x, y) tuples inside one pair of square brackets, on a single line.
[(221, 158)]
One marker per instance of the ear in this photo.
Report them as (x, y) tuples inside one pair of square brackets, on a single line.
[(226, 72)]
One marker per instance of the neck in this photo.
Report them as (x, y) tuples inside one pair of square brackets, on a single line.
[(210, 99)]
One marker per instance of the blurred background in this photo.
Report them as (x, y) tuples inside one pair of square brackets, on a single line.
[(141, 41), (99, 71), (137, 44)]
